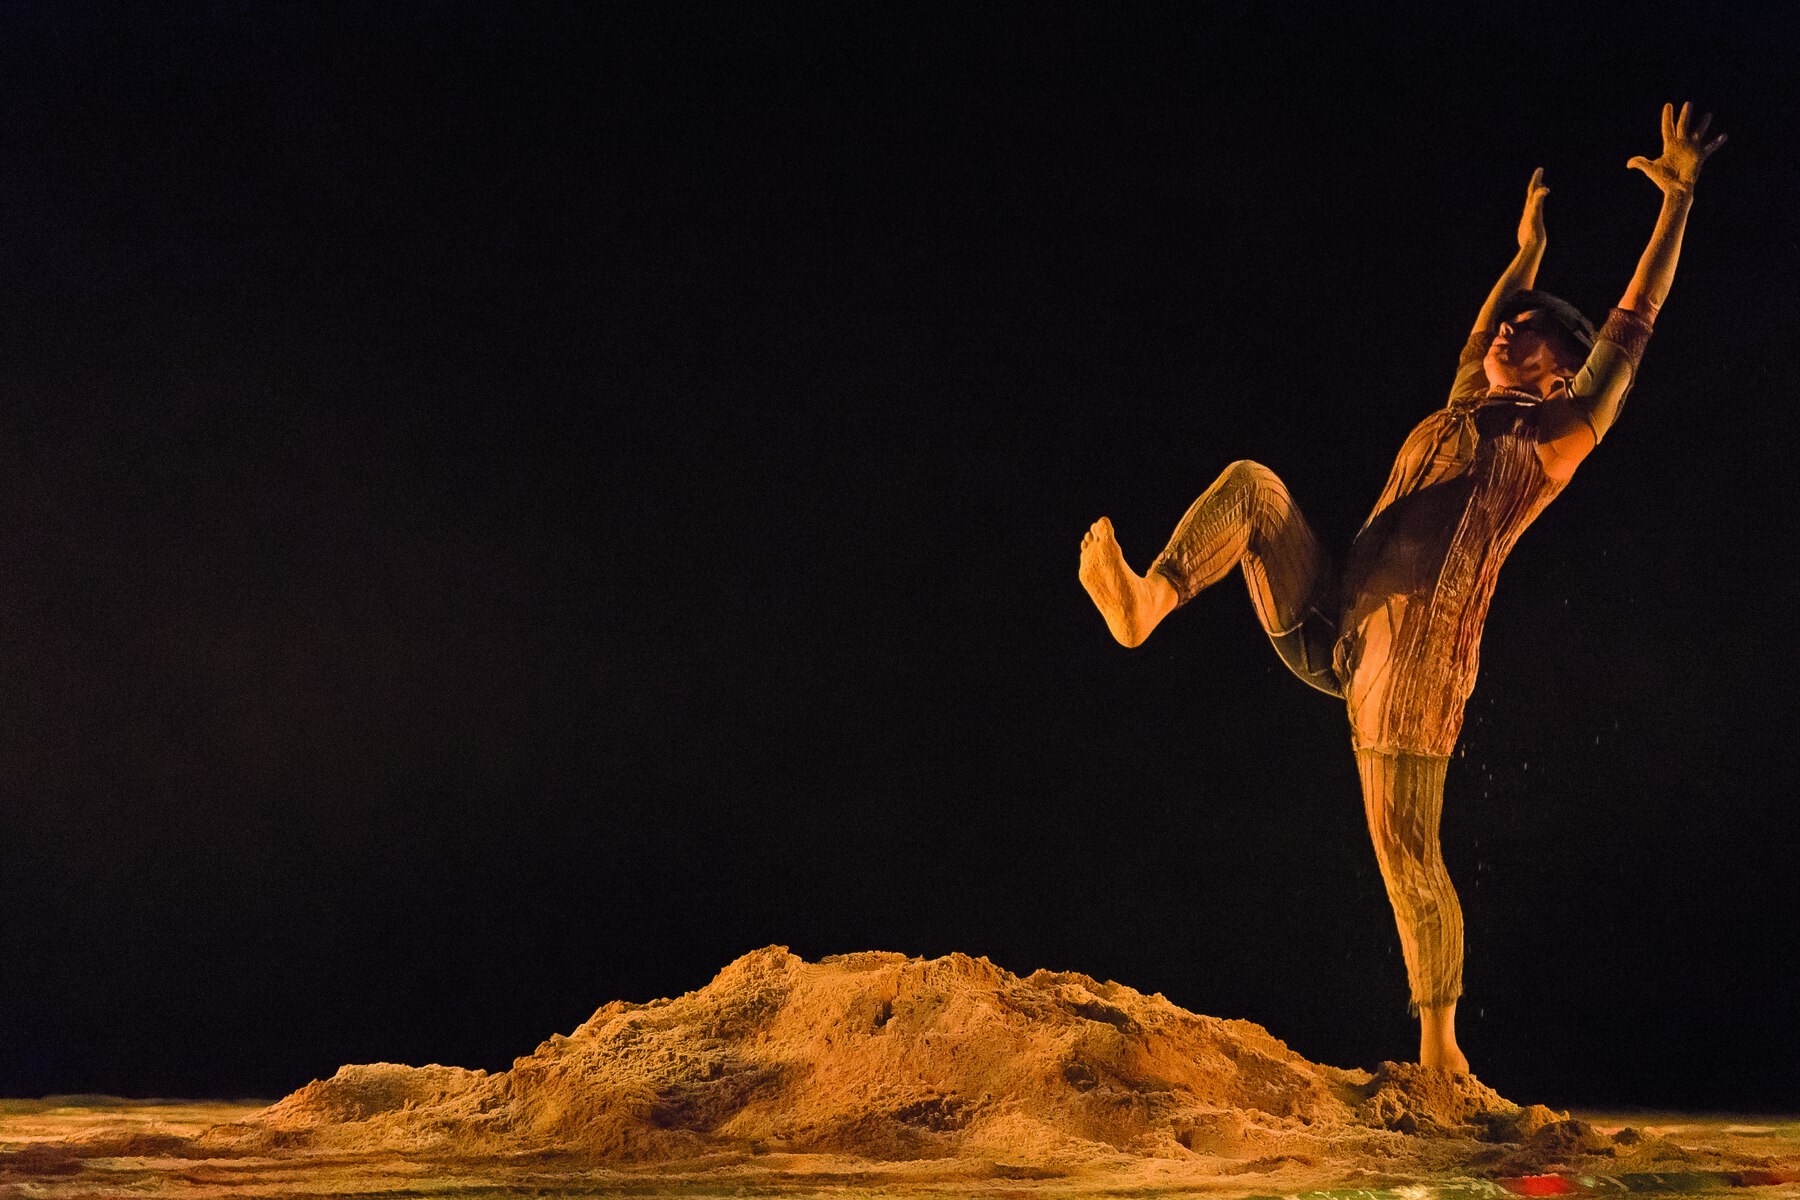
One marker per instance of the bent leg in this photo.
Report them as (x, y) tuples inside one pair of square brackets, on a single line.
[(1403, 797), (1248, 519), (1132, 604)]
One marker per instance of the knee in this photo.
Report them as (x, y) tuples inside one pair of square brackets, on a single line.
[(1248, 484), (1259, 486), (1246, 470), (1414, 877)]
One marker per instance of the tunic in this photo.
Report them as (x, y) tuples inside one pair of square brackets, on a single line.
[(1466, 484)]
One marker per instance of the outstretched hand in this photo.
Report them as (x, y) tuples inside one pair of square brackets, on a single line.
[(1531, 225), (1678, 167)]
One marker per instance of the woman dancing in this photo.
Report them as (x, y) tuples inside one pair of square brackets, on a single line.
[(1397, 634)]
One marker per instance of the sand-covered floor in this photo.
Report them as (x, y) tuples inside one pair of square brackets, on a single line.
[(878, 1074), (77, 1147)]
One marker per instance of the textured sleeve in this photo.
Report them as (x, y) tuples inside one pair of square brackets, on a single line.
[(1471, 379), (1598, 390)]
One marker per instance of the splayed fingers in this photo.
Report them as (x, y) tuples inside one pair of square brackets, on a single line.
[(1684, 149)]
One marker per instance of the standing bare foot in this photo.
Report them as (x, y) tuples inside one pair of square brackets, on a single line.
[(1451, 1059), (1131, 604), (1437, 1039)]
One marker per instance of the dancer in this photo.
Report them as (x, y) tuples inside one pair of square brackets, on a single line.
[(1397, 634)]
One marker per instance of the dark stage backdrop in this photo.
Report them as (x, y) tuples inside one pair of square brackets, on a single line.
[(503, 509)]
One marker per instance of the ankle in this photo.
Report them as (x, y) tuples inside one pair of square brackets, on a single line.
[(1157, 598)]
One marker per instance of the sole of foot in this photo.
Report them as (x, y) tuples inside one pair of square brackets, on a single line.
[(1113, 587)]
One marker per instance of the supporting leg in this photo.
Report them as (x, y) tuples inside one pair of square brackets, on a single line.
[(1403, 797), (1437, 1038)]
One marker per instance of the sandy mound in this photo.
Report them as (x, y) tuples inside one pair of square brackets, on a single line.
[(881, 1056)]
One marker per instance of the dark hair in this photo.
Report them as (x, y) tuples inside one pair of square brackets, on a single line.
[(1580, 330)]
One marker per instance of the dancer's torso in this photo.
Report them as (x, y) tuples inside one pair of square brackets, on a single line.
[(1422, 571)]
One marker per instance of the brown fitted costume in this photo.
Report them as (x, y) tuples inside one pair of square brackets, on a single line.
[(1398, 635)]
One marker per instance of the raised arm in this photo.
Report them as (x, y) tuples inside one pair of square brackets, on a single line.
[(1597, 392), (1520, 273), (1675, 171)]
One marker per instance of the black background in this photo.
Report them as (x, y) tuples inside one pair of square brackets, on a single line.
[(508, 507)]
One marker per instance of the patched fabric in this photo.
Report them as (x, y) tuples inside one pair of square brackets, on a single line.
[(1628, 331)]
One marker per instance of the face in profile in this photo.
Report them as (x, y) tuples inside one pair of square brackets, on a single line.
[(1529, 352)]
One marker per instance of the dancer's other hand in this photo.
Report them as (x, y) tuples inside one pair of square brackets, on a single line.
[(1531, 224), (1677, 168)]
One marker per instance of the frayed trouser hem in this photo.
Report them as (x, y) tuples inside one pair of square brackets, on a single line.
[(1413, 1006)]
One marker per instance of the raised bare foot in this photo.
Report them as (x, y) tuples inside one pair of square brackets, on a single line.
[(1131, 604)]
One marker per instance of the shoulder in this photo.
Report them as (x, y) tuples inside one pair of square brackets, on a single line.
[(1628, 330), (1439, 420)]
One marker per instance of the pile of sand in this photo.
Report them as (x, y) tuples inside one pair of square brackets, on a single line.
[(883, 1057)]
